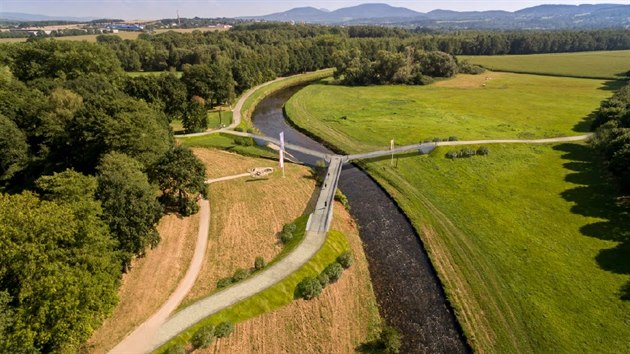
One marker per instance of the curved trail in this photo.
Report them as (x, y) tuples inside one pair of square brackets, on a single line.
[(135, 342)]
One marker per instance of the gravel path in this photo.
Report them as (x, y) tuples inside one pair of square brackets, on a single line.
[(135, 342)]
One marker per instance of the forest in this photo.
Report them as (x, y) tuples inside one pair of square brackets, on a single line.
[(89, 164)]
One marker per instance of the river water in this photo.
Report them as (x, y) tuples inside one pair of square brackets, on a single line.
[(407, 289)]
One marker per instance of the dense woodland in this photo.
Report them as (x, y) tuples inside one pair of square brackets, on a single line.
[(88, 162)]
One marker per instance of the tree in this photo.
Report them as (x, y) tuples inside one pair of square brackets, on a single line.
[(391, 340), (180, 176), (58, 266), (345, 259), (333, 271), (224, 329), (195, 118), (197, 80), (309, 288), (437, 64), (259, 263), (203, 337), (13, 149), (130, 206)]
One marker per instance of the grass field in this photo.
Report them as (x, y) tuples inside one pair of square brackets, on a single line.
[(469, 107), (530, 242), (86, 37), (228, 143), (241, 229), (600, 65)]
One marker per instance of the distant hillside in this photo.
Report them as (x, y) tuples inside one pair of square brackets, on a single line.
[(537, 17), (17, 16)]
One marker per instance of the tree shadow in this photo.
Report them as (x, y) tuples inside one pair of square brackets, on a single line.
[(372, 347), (597, 196)]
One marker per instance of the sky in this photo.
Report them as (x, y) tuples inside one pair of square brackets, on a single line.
[(156, 9)]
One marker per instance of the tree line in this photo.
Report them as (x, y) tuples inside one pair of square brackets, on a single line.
[(612, 135), (88, 165)]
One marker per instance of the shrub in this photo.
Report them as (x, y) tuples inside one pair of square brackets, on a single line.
[(238, 129), (224, 329), (465, 67), (341, 198), (390, 339), (482, 151), (436, 140), (333, 271), (203, 337), (285, 237), (224, 282), (259, 263), (309, 288), (289, 228), (240, 274), (452, 154), (452, 138), (176, 349), (323, 279), (345, 259), (251, 130), (467, 152)]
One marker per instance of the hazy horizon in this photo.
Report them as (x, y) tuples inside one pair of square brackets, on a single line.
[(156, 9)]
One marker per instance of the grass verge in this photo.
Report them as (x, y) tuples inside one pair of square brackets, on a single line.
[(228, 143)]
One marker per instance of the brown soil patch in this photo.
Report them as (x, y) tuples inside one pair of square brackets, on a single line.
[(344, 316), (246, 214), (150, 282), (466, 81)]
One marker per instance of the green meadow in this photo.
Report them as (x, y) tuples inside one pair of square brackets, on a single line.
[(529, 241), (490, 106), (600, 65)]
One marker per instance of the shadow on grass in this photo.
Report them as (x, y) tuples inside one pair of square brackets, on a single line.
[(598, 197)]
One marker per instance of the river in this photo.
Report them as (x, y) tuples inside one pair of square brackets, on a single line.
[(408, 291)]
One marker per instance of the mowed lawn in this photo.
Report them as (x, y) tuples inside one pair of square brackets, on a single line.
[(605, 64), (529, 241), (491, 105)]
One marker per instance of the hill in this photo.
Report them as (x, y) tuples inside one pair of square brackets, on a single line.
[(18, 16), (537, 17)]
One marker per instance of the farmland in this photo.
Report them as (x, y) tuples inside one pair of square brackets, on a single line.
[(526, 239), (599, 65)]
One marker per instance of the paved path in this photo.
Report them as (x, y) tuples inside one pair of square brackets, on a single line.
[(318, 224), (134, 343), (425, 148)]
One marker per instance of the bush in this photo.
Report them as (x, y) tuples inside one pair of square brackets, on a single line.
[(289, 227), (390, 339), (436, 140), (176, 349), (240, 274), (238, 129), (309, 288), (285, 237), (224, 329), (482, 151), (452, 138), (333, 271), (345, 259), (251, 130), (452, 154), (323, 279), (203, 337), (341, 198), (259, 263), (465, 67), (467, 152), (224, 282)]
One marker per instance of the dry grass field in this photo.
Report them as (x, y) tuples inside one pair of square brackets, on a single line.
[(150, 281)]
